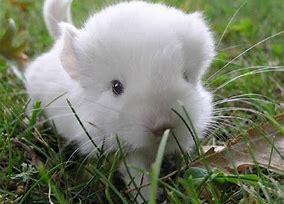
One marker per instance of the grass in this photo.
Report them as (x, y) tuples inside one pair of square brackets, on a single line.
[(36, 167)]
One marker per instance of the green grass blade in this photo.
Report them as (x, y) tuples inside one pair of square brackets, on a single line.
[(155, 169), (84, 128), (128, 170)]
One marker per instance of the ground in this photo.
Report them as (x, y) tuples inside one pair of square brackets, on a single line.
[(250, 43)]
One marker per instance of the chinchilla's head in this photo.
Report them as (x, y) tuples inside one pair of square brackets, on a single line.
[(136, 63)]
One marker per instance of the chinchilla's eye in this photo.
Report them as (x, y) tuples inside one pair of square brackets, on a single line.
[(185, 76), (117, 87)]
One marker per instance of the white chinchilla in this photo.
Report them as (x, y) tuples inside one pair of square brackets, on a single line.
[(124, 71)]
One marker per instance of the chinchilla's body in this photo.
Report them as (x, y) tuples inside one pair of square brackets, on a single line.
[(124, 71)]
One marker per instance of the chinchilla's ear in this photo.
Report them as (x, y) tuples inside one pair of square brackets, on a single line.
[(68, 56), (199, 46)]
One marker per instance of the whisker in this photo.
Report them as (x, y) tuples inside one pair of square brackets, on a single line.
[(219, 126), (225, 117), (253, 68), (249, 96), (213, 129), (247, 101), (243, 75)]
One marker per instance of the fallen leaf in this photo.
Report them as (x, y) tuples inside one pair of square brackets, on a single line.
[(209, 149), (23, 6), (20, 190), (263, 146), (8, 49)]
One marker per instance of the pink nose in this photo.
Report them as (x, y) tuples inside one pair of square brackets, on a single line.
[(159, 130)]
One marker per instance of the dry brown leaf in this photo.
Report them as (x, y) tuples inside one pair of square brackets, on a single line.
[(209, 149), (23, 6), (264, 145), (7, 47)]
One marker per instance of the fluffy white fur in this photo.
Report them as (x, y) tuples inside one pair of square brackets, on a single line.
[(55, 11), (149, 48)]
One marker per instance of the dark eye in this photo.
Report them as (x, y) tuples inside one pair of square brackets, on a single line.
[(185, 76), (117, 87)]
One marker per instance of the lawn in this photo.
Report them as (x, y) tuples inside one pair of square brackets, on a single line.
[(247, 81)]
